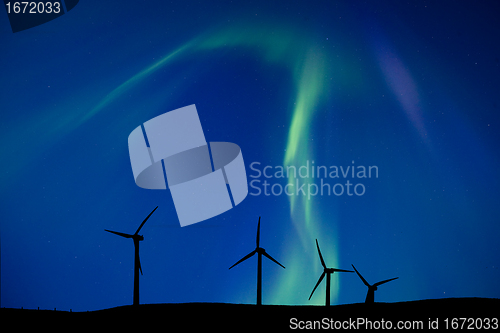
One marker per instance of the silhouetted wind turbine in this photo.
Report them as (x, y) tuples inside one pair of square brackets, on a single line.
[(260, 251), (328, 272), (137, 262), (370, 296)]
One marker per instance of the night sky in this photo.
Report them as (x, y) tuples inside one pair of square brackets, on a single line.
[(411, 88)]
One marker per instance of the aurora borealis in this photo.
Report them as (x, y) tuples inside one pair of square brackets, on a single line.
[(409, 88)]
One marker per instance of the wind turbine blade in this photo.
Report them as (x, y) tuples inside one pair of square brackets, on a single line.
[(119, 233), (244, 258), (258, 232), (362, 279), (385, 281), (320, 256), (342, 270), (317, 284), (269, 256), (145, 221), (139, 262)]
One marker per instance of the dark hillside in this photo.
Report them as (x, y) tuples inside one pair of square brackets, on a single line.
[(477, 313)]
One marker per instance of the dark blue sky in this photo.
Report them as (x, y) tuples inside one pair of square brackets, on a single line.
[(411, 88)]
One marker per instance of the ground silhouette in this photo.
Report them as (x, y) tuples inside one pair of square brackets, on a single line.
[(236, 317)]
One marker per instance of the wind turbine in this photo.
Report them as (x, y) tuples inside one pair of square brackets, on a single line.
[(260, 251), (370, 296), (328, 272), (137, 262)]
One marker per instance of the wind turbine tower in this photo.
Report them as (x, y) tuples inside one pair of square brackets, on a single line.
[(370, 296), (328, 272), (260, 251), (137, 262)]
